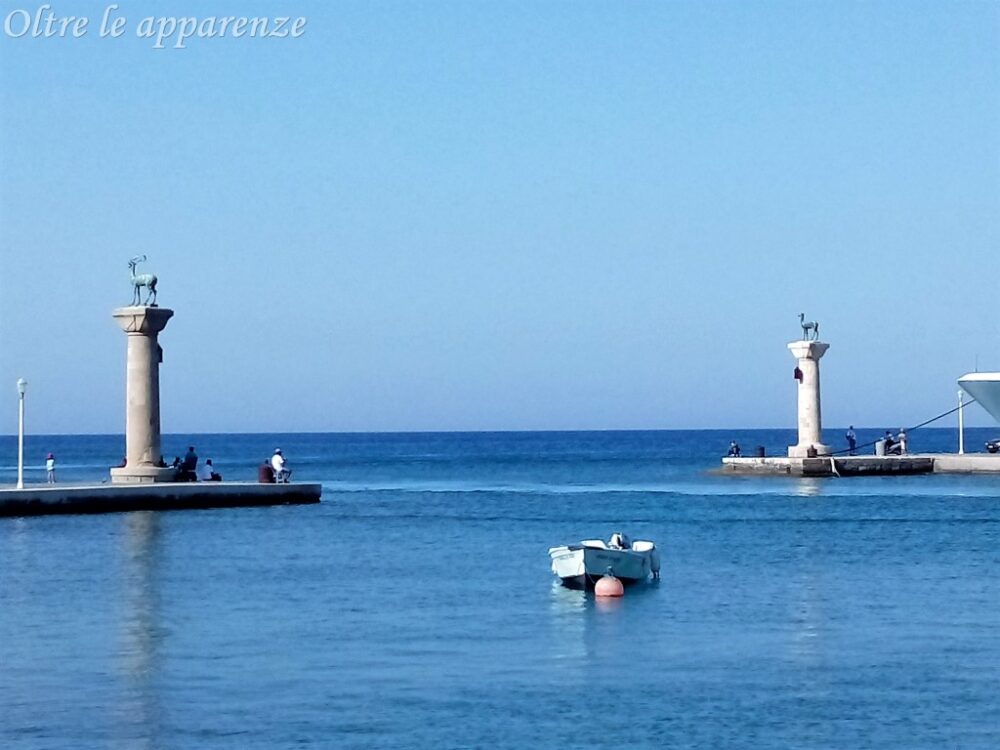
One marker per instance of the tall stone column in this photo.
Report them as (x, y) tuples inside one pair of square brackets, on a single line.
[(808, 354), (142, 325)]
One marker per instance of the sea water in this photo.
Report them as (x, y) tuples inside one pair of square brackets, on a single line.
[(414, 607)]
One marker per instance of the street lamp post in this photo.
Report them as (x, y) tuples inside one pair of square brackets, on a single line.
[(21, 385), (961, 425)]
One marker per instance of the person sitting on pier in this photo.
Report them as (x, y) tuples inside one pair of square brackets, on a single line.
[(281, 474), (734, 449), (206, 472), (891, 447)]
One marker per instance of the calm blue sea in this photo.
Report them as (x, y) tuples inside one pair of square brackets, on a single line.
[(414, 607)]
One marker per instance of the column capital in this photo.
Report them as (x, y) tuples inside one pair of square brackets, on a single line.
[(143, 320), (808, 349)]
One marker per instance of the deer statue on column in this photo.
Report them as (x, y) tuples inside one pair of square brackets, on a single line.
[(810, 330), (147, 280)]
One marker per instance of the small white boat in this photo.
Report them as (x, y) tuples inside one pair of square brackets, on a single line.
[(581, 565)]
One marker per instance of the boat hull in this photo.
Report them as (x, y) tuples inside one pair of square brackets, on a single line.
[(985, 388), (580, 565)]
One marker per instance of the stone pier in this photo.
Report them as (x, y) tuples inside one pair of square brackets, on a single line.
[(142, 325), (808, 354), (58, 499)]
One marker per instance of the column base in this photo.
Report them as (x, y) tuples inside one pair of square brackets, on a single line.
[(142, 475), (802, 450)]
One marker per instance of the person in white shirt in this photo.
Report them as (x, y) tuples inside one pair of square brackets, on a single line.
[(281, 474), (50, 468), (207, 473)]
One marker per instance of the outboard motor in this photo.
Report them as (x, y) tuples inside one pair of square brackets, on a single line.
[(619, 541)]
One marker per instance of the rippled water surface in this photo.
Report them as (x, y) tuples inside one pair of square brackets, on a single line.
[(414, 606)]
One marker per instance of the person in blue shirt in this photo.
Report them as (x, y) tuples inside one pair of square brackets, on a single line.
[(189, 466)]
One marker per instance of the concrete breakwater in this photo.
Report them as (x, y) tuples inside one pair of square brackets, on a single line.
[(114, 498), (847, 466)]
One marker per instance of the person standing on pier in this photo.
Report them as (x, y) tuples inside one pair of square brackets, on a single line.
[(189, 466), (901, 440), (50, 468), (852, 440)]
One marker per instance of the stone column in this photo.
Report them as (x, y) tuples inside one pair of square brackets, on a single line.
[(142, 395), (808, 354)]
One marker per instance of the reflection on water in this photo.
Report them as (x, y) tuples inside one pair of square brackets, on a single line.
[(567, 601), (568, 608), (608, 604), (582, 623), (809, 486), (141, 632), (807, 619), (15, 545)]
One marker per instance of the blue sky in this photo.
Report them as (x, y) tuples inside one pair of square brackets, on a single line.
[(511, 215)]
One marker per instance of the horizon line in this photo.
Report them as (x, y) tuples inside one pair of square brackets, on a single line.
[(478, 431)]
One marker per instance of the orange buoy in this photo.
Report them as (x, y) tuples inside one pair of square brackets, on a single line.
[(609, 586)]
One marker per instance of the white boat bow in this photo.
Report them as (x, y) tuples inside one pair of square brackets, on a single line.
[(985, 388)]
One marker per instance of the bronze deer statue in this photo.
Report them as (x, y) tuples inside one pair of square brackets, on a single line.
[(810, 330), (147, 280)]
